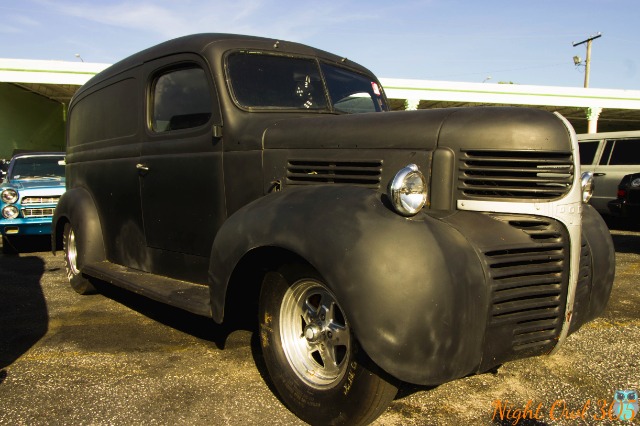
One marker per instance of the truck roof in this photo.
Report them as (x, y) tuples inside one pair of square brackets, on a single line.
[(219, 43)]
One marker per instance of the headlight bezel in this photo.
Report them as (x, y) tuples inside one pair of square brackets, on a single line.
[(588, 185), (10, 208), (405, 199), (9, 196)]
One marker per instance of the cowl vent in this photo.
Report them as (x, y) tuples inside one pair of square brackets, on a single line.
[(312, 172)]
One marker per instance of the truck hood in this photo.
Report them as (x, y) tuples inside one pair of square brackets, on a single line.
[(498, 128), (388, 130), (20, 184)]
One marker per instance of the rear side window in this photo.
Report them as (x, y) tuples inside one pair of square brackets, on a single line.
[(181, 99), (588, 152), (625, 152)]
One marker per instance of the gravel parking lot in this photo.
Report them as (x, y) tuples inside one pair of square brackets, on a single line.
[(115, 358)]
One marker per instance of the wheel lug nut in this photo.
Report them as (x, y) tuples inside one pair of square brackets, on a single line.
[(329, 334)]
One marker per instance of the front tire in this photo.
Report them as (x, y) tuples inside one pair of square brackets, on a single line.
[(78, 282), (312, 355)]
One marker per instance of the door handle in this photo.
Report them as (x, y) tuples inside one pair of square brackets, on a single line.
[(142, 167), (599, 174)]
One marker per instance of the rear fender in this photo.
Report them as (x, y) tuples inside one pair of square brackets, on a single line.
[(77, 207)]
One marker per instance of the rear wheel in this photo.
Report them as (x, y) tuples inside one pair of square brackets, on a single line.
[(312, 355), (69, 244)]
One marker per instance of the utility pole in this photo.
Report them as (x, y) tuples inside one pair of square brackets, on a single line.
[(588, 60)]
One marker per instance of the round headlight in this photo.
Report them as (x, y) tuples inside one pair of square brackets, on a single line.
[(408, 191), (10, 212), (588, 185), (9, 196)]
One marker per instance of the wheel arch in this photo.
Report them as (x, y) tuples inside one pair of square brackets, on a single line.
[(76, 206), (242, 292)]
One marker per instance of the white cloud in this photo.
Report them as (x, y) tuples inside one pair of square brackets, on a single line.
[(294, 20), (17, 24), (166, 18), (10, 29)]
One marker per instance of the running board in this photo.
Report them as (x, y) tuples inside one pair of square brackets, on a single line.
[(191, 297)]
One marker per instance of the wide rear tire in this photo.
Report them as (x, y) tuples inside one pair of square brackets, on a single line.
[(311, 353)]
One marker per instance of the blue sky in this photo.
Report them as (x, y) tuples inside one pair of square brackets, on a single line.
[(519, 41)]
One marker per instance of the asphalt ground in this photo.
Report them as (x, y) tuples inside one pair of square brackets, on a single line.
[(115, 358)]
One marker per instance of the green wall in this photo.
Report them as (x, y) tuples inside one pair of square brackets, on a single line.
[(29, 121)]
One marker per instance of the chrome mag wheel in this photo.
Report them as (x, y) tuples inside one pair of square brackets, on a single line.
[(71, 252), (315, 334)]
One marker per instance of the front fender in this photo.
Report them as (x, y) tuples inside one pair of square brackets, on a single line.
[(412, 288), (77, 207), (603, 256)]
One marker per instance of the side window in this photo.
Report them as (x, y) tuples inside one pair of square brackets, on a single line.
[(180, 99), (588, 151), (625, 152)]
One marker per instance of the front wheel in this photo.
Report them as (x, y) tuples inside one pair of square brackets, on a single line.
[(312, 355), (78, 282)]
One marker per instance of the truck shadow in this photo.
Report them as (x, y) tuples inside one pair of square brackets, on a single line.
[(195, 325), (629, 242), (23, 311), (626, 243), (26, 244), (206, 329)]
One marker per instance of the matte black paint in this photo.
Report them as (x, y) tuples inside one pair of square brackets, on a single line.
[(416, 289), (78, 208)]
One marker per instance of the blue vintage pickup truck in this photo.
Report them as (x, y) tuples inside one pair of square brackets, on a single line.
[(29, 194)]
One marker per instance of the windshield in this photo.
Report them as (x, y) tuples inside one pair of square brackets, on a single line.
[(261, 81), (37, 167), (352, 92)]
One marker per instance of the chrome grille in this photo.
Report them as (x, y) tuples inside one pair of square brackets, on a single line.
[(41, 200), (529, 283), (48, 212), (489, 174), (354, 172)]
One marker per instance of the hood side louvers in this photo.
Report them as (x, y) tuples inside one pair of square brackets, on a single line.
[(366, 173)]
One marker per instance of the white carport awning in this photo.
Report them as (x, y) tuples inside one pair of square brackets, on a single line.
[(510, 94), (57, 80)]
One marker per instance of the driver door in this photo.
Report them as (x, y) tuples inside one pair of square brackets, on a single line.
[(181, 179)]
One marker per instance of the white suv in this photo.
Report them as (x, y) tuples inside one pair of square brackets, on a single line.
[(610, 156)]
